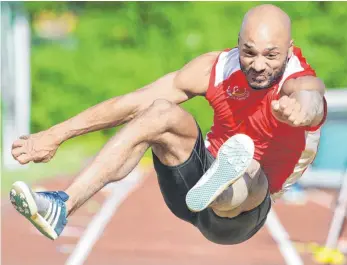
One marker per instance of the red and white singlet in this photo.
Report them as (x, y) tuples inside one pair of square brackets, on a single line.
[(284, 152)]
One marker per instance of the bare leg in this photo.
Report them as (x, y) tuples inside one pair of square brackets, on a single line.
[(244, 195), (171, 132), (163, 126)]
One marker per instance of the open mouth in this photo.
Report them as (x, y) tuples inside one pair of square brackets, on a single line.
[(258, 77)]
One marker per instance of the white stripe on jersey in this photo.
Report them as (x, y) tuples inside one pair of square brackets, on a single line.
[(227, 64), (306, 158), (293, 66)]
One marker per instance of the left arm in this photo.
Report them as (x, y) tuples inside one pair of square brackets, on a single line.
[(301, 102)]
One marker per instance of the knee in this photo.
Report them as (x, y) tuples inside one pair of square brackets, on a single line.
[(165, 111), (160, 106)]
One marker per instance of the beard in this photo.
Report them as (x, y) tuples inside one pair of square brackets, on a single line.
[(271, 79)]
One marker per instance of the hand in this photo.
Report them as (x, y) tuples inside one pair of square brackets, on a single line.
[(39, 147), (290, 111)]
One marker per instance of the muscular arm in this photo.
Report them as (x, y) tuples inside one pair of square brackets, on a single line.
[(301, 102), (177, 87), (118, 110)]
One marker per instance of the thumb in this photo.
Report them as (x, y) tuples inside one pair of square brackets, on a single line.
[(275, 104)]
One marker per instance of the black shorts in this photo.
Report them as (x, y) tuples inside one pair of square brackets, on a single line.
[(176, 181)]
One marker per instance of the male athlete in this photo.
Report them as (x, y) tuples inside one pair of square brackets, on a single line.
[(268, 108)]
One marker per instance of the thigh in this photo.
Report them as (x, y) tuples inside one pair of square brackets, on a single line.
[(175, 181), (174, 144)]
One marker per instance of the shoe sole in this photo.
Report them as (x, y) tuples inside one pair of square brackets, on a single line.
[(24, 203), (232, 161)]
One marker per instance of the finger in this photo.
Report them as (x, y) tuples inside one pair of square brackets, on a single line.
[(18, 143), (17, 151), (289, 109), (24, 159), (46, 160), (295, 113), (284, 102), (41, 160), (24, 137), (275, 105)]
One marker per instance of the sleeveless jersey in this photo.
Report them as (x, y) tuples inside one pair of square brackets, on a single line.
[(284, 152)]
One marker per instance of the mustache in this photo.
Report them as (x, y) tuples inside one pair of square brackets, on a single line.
[(251, 71), (271, 77)]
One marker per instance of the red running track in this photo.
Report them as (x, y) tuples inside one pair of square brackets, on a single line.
[(144, 232)]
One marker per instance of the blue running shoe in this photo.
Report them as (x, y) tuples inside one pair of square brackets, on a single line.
[(45, 210), (233, 159)]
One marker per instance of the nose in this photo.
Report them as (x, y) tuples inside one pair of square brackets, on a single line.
[(259, 64)]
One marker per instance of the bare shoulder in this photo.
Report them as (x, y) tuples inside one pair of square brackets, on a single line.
[(194, 77)]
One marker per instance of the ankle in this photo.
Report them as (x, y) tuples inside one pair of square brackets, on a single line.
[(231, 198), (69, 207)]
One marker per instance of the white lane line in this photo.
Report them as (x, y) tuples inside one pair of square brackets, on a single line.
[(94, 230), (280, 235)]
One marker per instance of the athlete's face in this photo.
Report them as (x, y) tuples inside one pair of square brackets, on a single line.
[(262, 62)]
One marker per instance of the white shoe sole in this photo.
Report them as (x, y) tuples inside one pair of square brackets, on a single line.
[(232, 161), (24, 203)]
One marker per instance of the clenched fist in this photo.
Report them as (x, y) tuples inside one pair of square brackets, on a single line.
[(292, 112), (39, 147)]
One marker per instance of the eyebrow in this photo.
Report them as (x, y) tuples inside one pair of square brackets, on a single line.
[(271, 48), (248, 46)]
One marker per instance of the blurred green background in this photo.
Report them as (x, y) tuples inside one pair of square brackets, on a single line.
[(112, 48), (118, 47)]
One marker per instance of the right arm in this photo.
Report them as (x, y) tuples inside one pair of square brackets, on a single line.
[(177, 87), (190, 81)]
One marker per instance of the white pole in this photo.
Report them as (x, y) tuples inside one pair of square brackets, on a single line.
[(339, 215), (16, 119), (7, 83), (22, 77)]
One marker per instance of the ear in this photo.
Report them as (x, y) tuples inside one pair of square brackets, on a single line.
[(290, 49)]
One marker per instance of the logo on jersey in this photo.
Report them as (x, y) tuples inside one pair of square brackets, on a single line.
[(238, 93)]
